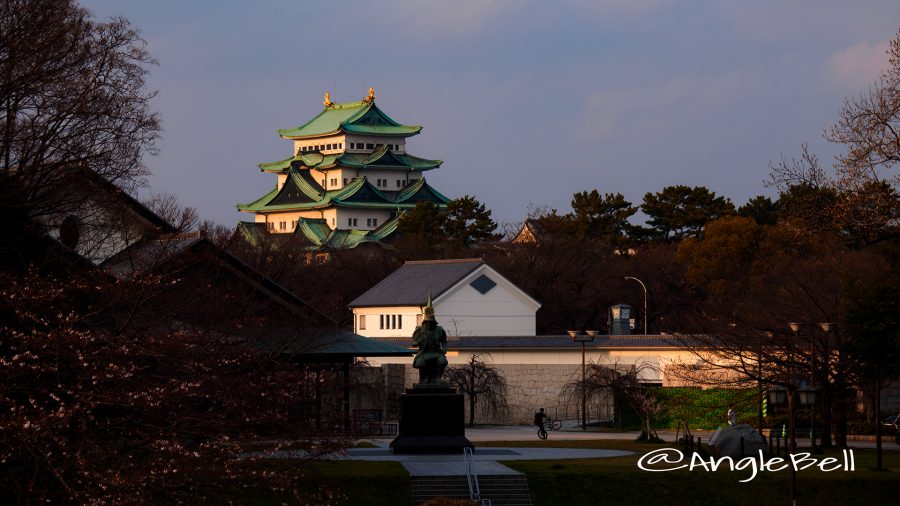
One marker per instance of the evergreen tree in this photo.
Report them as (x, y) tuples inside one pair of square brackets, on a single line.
[(682, 211), (426, 222), (468, 221), (605, 217), (762, 209)]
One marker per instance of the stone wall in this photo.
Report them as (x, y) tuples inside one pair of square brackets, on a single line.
[(531, 387)]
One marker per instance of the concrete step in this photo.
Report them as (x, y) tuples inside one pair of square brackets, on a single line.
[(509, 490)]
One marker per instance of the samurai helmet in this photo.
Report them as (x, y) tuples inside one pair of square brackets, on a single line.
[(429, 310)]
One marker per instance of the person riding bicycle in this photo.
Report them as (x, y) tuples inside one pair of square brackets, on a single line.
[(539, 418)]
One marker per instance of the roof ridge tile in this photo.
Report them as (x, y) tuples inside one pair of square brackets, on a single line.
[(445, 261)]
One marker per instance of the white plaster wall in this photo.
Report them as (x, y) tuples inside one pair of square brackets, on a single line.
[(330, 216), (334, 140), (392, 176), (319, 177), (409, 313), (503, 311), (374, 140), (290, 219), (344, 141), (361, 215), (103, 231)]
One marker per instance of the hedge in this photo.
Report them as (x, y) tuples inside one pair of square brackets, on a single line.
[(704, 409)]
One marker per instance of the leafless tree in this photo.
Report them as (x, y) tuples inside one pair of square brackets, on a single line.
[(623, 384), (482, 385), (72, 94)]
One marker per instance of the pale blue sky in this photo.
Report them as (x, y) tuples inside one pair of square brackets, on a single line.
[(527, 102)]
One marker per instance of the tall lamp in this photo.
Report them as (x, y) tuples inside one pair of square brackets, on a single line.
[(587, 337), (646, 332)]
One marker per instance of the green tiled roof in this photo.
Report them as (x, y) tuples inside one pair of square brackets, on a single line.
[(252, 232), (381, 158), (356, 117), (418, 192), (317, 232), (301, 192), (260, 202)]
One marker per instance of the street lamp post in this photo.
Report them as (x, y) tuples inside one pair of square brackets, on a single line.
[(826, 327), (646, 332), (795, 328), (779, 396), (587, 337)]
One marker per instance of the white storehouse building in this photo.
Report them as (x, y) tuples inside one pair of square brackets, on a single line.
[(470, 298)]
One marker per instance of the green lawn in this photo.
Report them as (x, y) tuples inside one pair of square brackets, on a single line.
[(619, 480), (591, 481)]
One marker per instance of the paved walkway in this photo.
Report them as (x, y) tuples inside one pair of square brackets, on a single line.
[(529, 433), (485, 459)]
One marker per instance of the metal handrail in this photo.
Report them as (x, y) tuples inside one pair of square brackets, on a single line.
[(471, 475)]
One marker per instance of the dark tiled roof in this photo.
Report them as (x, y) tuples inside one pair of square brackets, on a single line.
[(150, 253), (411, 284), (331, 343), (153, 254), (529, 342)]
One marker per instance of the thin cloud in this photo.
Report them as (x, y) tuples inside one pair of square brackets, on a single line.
[(608, 110), (856, 66)]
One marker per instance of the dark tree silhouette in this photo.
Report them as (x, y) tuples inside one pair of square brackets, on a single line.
[(682, 211), (469, 221)]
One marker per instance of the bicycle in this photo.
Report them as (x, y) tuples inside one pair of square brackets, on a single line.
[(550, 424)]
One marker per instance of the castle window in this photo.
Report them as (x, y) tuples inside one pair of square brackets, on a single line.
[(399, 321), (282, 225), (399, 184), (368, 222), (370, 146), (345, 181), (362, 322), (381, 321), (332, 222), (328, 146), (374, 222)]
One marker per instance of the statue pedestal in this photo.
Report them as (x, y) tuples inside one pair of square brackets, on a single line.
[(432, 420)]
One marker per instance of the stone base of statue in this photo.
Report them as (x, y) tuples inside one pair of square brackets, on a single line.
[(432, 420)]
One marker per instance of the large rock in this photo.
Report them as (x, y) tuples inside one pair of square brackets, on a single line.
[(727, 442)]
